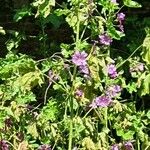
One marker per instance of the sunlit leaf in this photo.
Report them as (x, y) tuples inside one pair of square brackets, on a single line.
[(32, 129), (2, 31), (131, 3)]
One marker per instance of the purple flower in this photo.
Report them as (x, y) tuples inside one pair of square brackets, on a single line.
[(121, 27), (4, 145), (103, 101), (79, 93), (128, 146), (44, 147), (112, 91), (84, 69), (117, 88), (112, 71), (115, 147), (105, 39), (79, 58), (120, 17)]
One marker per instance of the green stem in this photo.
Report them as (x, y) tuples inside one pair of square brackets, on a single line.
[(12, 145), (71, 97), (71, 92), (71, 111), (72, 89), (71, 125), (106, 123), (46, 91), (147, 147), (138, 143), (129, 56), (106, 117), (87, 112), (77, 34)]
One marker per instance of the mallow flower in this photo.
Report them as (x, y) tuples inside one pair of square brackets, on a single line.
[(120, 17), (112, 71), (105, 39), (113, 90), (84, 69), (79, 58), (101, 101)]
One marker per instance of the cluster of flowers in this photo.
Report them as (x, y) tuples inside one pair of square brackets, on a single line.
[(127, 146), (120, 17), (111, 91), (79, 59), (105, 39), (106, 100)]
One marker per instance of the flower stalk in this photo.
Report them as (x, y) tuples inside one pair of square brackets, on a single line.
[(72, 89)]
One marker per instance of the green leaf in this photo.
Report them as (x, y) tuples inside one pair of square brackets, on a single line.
[(28, 81), (2, 31), (114, 33), (25, 11), (132, 87), (146, 49), (13, 65), (60, 12), (31, 129), (145, 88), (2, 117), (65, 50), (50, 111), (125, 134), (43, 7), (131, 3), (88, 143), (148, 114), (128, 135), (55, 20), (23, 98), (10, 44)]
